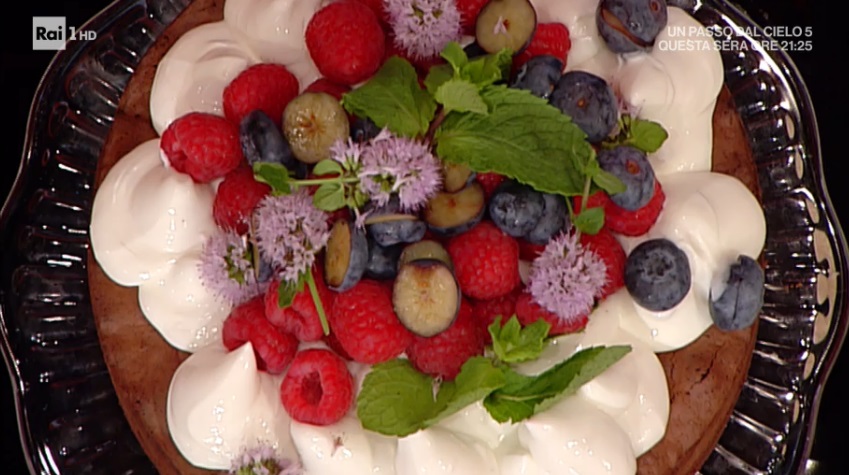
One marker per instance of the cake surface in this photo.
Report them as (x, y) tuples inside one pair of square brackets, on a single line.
[(707, 374)]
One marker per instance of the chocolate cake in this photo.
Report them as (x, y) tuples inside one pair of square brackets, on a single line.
[(704, 378)]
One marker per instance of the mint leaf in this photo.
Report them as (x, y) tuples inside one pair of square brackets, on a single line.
[(646, 135), (514, 344), (287, 290), (274, 175), (523, 137), (608, 182), (488, 69), (437, 76), (524, 396), (455, 55), (589, 220), (396, 399), (477, 378), (392, 98), (327, 167), (329, 196), (460, 95)]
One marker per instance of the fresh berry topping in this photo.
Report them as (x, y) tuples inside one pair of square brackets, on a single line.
[(529, 311), (469, 10), (630, 25), (633, 169), (740, 302), (505, 24), (267, 87), (426, 296), (635, 223), (382, 261), (262, 141), (318, 388), (346, 255), (489, 181), (539, 75), (486, 261), (605, 246), (312, 123), (363, 130), (379, 9), (554, 220), (204, 146), (622, 221), (528, 251), (515, 208), (589, 101), (443, 355), (274, 349), (550, 39), (450, 214), (236, 198), (657, 274), (328, 87), (301, 317), (487, 311), (346, 42), (366, 325)]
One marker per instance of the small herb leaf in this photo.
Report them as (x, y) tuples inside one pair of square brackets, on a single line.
[(514, 344), (590, 220), (329, 196), (327, 167), (460, 95), (274, 175)]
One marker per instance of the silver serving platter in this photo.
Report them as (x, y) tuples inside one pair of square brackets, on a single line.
[(69, 416)]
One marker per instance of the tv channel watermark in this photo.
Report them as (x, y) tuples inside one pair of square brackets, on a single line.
[(50, 33)]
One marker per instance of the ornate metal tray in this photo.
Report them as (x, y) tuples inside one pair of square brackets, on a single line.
[(70, 420)]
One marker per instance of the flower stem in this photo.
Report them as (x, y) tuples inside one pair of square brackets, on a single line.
[(317, 301), (437, 121)]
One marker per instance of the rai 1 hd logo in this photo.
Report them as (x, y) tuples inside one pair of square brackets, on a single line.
[(50, 33)]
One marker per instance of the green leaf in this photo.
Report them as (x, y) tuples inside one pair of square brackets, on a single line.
[(392, 98), (274, 175), (396, 399), (477, 378), (437, 76), (460, 95), (455, 55), (329, 196), (514, 344), (646, 135), (523, 137), (327, 167), (608, 182), (488, 69), (589, 220), (524, 396), (287, 290)]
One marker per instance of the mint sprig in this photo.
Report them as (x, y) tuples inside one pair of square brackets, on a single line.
[(398, 400), (641, 134)]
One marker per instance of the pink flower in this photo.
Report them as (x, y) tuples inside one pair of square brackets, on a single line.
[(263, 460), (402, 166), (226, 268), (566, 277), (422, 28), (290, 231)]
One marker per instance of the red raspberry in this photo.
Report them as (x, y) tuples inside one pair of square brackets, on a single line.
[(318, 388), (274, 349), (469, 10), (623, 221), (486, 261), (365, 323), (529, 251), (346, 42), (486, 311), (328, 87), (301, 318), (379, 9), (204, 146), (443, 355), (605, 245), (549, 38), (528, 311), (236, 198), (267, 87), (489, 181)]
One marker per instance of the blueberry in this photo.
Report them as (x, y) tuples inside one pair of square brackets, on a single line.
[(740, 303), (630, 25), (555, 218), (589, 101), (539, 75), (363, 130), (382, 261), (394, 229), (263, 141), (632, 167), (474, 50), (516, 208), (345, 255), (657, 274)]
